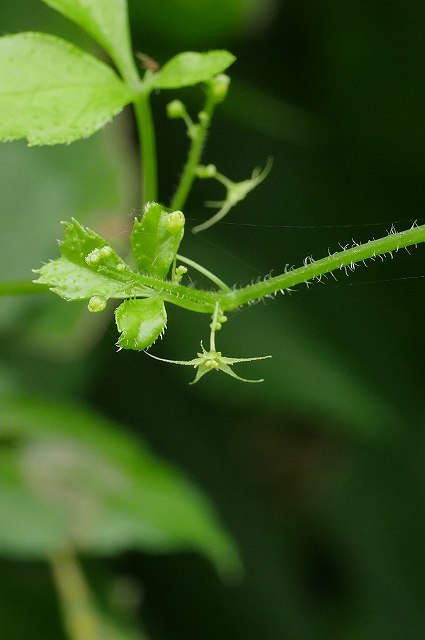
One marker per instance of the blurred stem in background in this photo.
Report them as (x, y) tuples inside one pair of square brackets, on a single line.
[(79, 611)]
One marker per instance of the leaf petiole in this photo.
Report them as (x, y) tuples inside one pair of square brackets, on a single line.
[(208, 274)]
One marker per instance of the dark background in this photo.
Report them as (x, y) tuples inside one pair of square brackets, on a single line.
[(318, 472)]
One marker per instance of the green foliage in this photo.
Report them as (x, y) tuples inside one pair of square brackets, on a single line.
[(155, 239), (140, 322), (190, 68), (106, 21), (69, 478), (52, 92), (79, 480), (88, 267)]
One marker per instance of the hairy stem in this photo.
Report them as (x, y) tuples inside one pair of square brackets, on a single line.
[(343, 259), (80, 617), (194, 155), (205, 301)]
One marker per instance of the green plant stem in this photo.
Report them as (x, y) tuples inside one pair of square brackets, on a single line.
[(148, 159), (205, 301), (208, 274), (20, 287), (79, 612), (194, 155), (145, 127), (343, 259)]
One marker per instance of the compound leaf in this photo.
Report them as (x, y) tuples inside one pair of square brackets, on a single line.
[(106, 21), (189, 68), (140, 322), (88, 267), (72, 282), (155, 239), (52, 92)]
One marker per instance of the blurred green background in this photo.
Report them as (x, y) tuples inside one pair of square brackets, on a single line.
[(317, 474)]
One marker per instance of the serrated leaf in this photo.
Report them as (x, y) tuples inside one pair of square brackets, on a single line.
[(154, 246), (51, 92), (140, 322), (73, 282), (106, 21), (85, 247), (100, 490), (88, 267), (189, 68)]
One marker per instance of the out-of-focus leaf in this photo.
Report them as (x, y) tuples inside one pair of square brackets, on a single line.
[(203, 22), (190, 68), (52, 92), (106, 21), (140, 322), (154, 241), (29, 525), (111, 492)]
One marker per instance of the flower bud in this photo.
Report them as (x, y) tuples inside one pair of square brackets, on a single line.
[(174, 222), (176, 109), (206, 171), (96, 304), (220, 86)]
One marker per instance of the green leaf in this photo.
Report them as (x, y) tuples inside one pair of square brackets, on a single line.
[(189, 68), (51, 92), (140, 322), (155, 239), (79, 479), (86, 248), (72, 282), (22, 510), (107, 22), (88, 267)]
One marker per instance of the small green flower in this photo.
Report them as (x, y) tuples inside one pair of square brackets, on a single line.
[(235, 191), (212, 361)]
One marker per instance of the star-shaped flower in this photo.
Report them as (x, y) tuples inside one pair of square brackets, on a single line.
[(212, 361)]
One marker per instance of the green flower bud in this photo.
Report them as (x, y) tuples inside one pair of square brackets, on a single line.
[(206, 171), (96, 304), (220, 86), (106, 251), (176, 109), (180, 271), (174, 222)]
